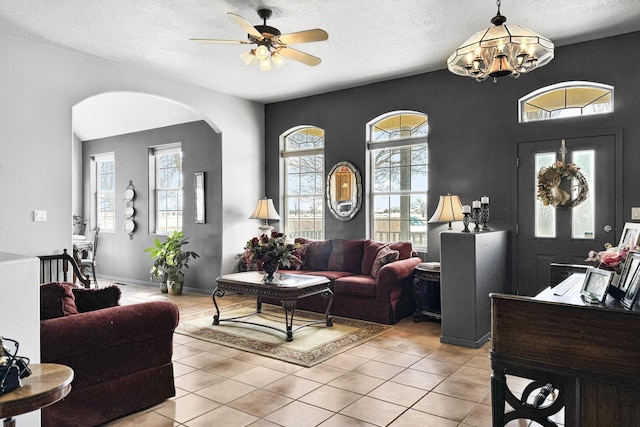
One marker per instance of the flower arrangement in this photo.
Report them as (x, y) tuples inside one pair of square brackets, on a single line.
[(272, 252), (549, 179), (611, 258)]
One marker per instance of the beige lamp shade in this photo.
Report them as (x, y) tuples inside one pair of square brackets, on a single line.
[(449, 209), (265, 211)]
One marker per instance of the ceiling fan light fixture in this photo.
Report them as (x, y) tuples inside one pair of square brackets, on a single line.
[(278, 59), (271, 44), (262, 52), (501, 51), (265, 64), (248, 57)]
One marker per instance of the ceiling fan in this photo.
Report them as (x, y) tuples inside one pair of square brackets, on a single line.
[(271, 43)]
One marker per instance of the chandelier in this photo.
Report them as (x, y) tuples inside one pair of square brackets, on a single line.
[(501, 51)]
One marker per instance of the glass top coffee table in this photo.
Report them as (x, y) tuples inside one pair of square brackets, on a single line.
[(288, 288)]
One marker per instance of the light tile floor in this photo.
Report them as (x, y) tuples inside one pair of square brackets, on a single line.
[(405, 377)]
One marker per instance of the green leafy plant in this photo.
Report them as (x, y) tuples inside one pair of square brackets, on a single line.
[(170, 259)]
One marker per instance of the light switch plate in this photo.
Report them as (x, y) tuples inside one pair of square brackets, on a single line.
[(39, 216), (635, 213)]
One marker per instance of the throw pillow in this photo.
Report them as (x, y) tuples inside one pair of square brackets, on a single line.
[(405, 248), (96, 299), (56, 300), (371, 249), (384, 257)]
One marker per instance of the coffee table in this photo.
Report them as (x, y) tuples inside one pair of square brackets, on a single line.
[(288, 288)]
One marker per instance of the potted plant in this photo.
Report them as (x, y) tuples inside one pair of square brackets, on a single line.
[(169, 261)]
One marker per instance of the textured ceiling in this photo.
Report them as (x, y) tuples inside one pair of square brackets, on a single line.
[(369, 40)]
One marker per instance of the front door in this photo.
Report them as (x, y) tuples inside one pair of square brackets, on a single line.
[(547, 234)]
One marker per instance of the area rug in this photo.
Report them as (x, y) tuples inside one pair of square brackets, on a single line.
[(310, 346)]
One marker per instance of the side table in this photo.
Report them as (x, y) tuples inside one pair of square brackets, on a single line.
[(48, 383), (426, 290)]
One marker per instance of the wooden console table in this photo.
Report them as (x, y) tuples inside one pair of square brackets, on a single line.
[(589, 353), (48, 383)]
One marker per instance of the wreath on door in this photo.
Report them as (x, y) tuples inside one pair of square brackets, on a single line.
[(550, 179)]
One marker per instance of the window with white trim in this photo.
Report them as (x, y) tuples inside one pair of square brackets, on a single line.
[(166, 186), (567, 99), (397, 167), (104, 185), (303, 172)]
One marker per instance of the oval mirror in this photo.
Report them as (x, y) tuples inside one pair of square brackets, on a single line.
[(344, 191)]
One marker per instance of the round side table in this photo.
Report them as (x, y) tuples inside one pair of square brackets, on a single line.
[(48, 383)]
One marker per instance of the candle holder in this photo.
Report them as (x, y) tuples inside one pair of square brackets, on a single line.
[(465, 221), (476, 219), (484, 216)]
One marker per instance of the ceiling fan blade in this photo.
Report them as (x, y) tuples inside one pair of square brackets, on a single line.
[(220, 41), (315, 35), (296, 55), (245, 25)]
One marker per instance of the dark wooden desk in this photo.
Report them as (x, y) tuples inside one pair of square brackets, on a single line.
[(48, 383), (590, 353)]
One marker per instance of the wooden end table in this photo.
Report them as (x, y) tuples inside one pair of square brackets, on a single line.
[(288, 288), (426, 291), (48, 383)]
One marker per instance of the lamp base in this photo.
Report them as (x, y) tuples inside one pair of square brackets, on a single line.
[(265, 229)]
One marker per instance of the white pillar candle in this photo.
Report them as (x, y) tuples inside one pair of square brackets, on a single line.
[(466, 209), (476, 204), (485, 200)]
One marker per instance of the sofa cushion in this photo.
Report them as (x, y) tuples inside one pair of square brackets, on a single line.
[(57, 300), (97, 298), (331, 275), (346, 255), (384, 257), (371, 248), (405, 248), (364, 286), (316, 253)]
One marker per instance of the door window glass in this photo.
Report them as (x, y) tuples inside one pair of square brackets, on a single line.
[(545, 217), (583, 215)]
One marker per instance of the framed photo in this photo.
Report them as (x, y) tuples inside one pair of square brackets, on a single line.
[(198, 185), (595, 285), (630, 235), (632, 292), (629, 269)]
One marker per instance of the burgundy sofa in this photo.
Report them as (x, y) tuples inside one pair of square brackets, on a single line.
[(386, 298), (120, 356)]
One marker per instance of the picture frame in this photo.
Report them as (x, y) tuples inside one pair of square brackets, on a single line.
[(629, 269), (631, 295), (595, 285), (200, 208), (630, 235)]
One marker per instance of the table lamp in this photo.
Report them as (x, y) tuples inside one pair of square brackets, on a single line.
[(449, 209), (265, 211)]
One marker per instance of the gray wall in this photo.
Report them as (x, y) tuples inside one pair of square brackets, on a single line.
[(474, 128), (124, 259)]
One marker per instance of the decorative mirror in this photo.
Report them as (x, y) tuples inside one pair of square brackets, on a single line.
[(344, 191)]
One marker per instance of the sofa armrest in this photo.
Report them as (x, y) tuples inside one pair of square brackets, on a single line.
[(392, 275), (93, 331)]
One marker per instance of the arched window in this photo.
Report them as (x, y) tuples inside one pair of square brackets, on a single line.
[(568, 99), (302, 151), (397, 168)]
